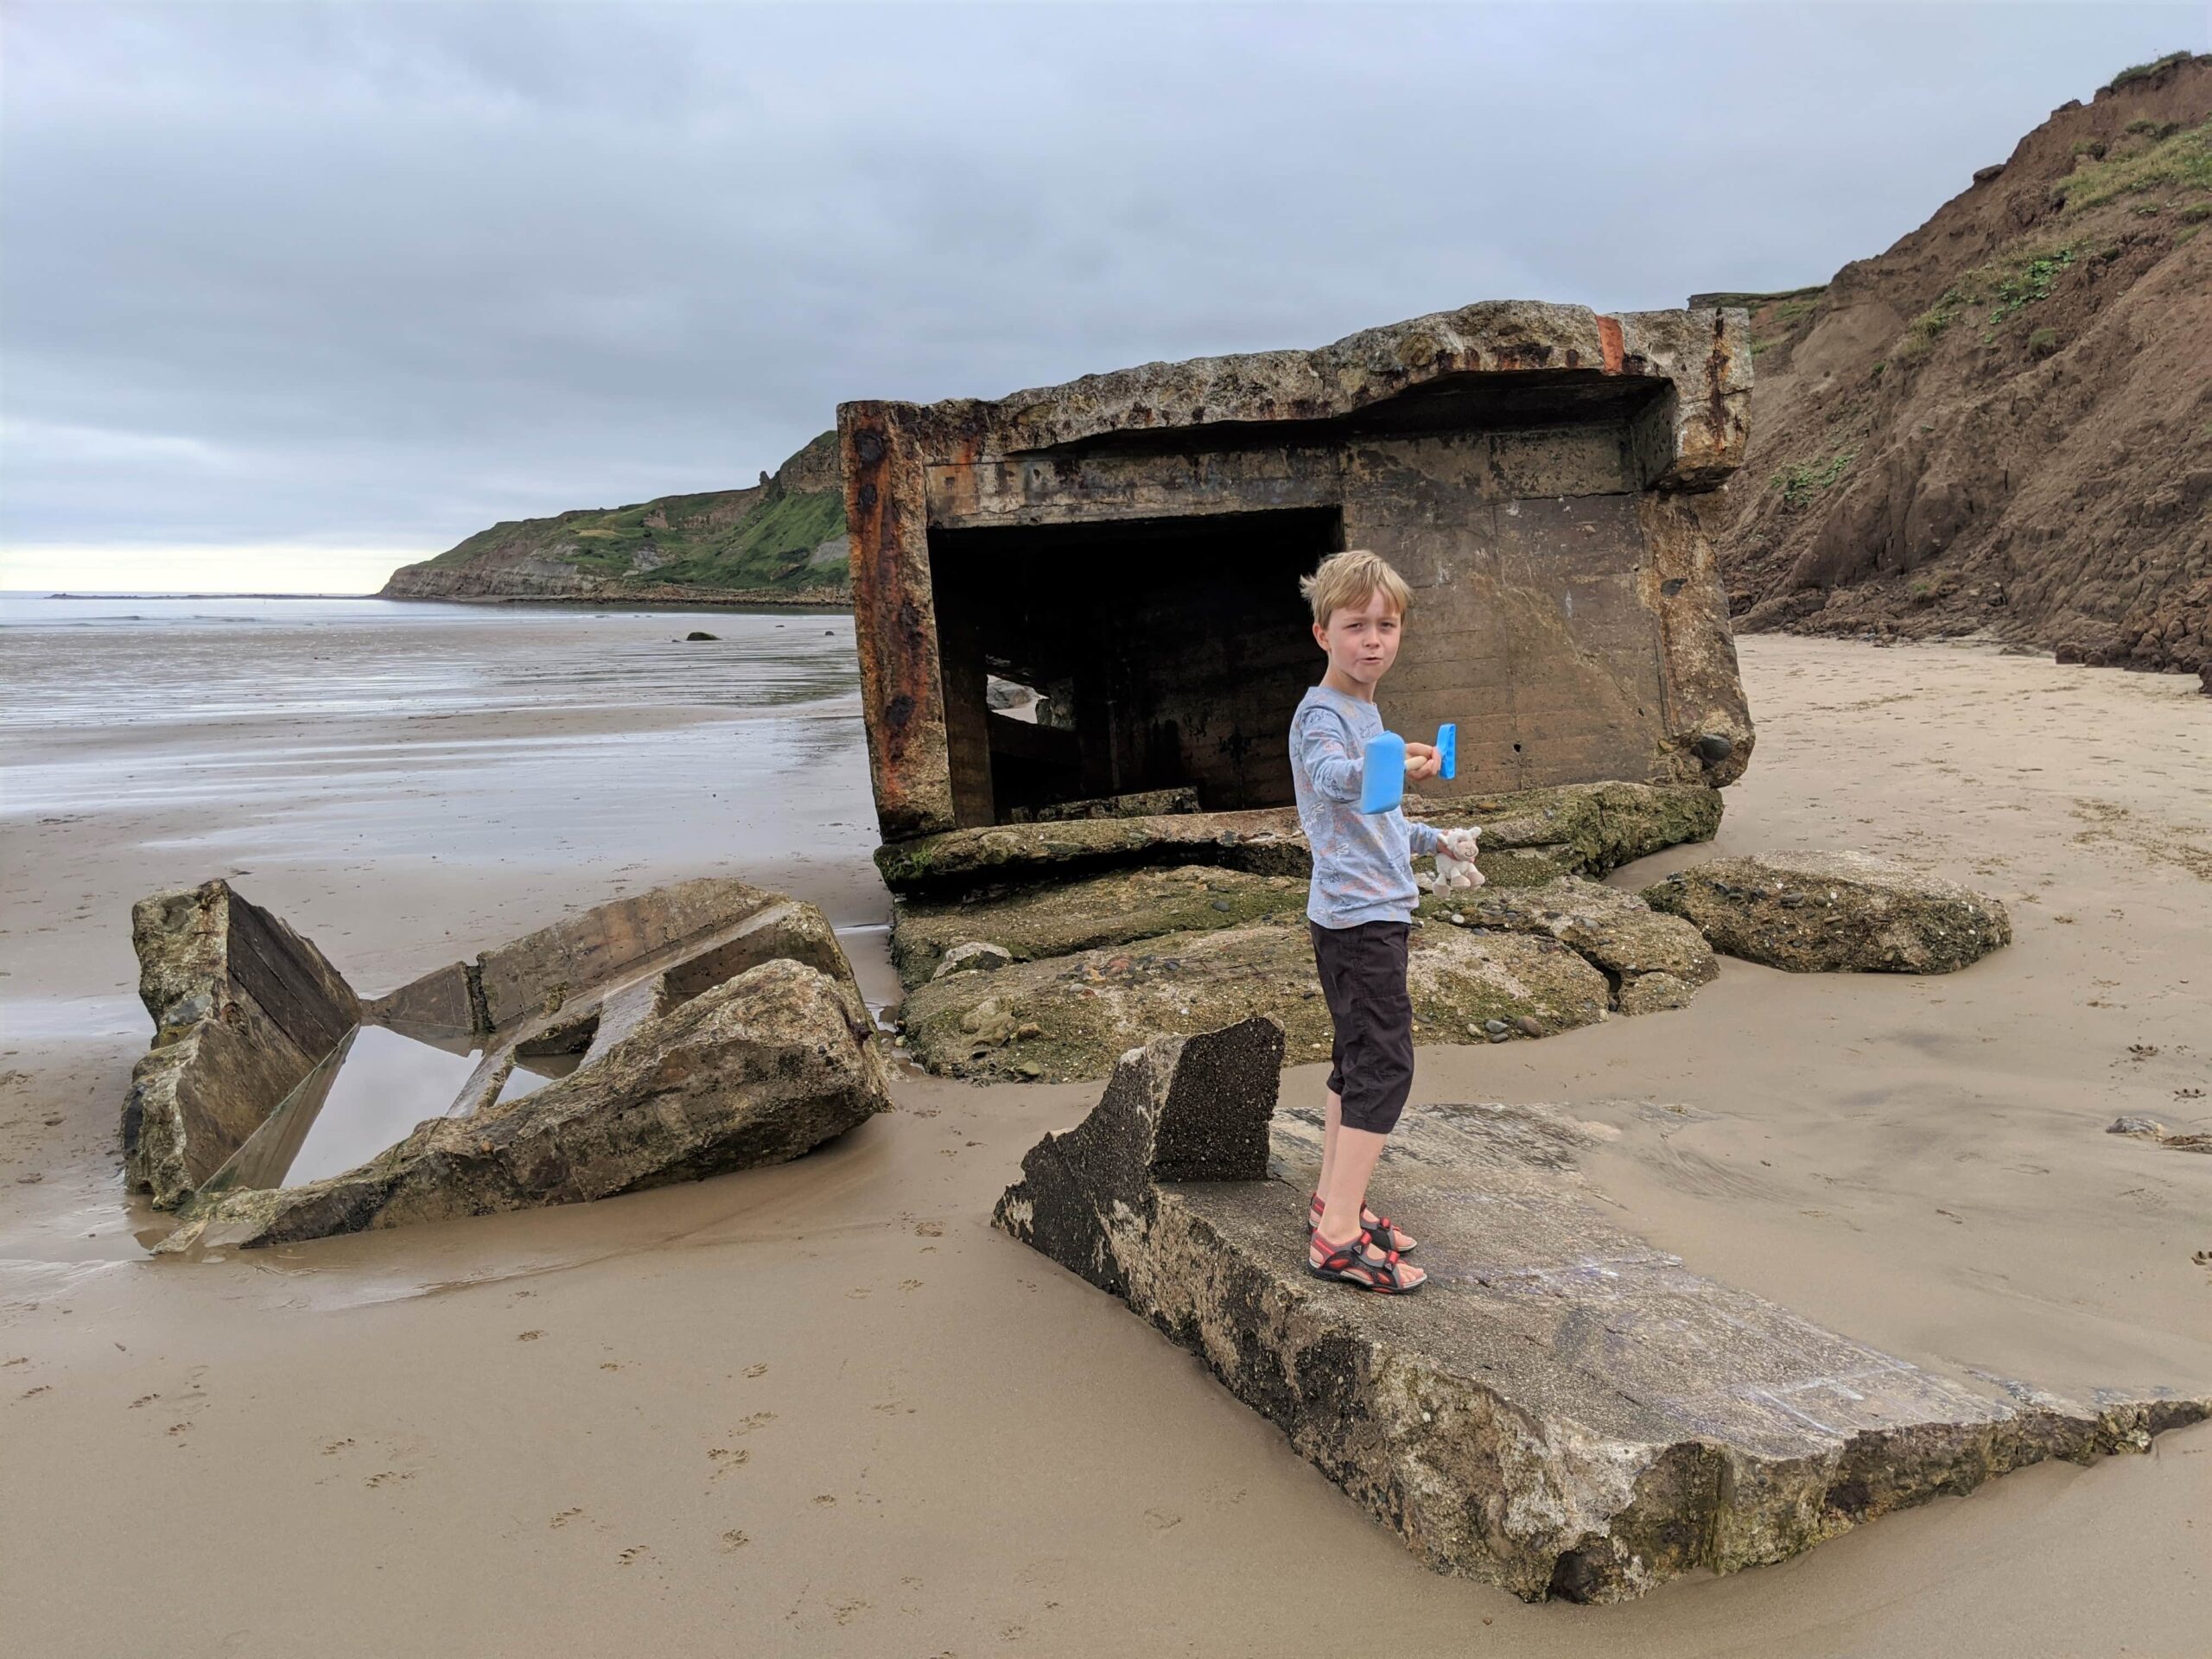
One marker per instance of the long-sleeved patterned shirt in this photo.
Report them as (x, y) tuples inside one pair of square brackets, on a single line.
[(1362, 861)]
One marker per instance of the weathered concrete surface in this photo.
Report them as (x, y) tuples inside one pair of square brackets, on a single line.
[(664, 1087), (1835, 913), (1523, 464), (1062, 919), (1616, 933), (1264, 843), (1562, 1410), (242, 1008), (1536, 836), (757, 1070), (1069, 1017), (1529, 836)]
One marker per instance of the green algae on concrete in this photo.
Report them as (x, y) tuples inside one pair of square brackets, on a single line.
[(1617, 932), (1529, 836), (1536, 836), (1059, 918), (1070, 1017)]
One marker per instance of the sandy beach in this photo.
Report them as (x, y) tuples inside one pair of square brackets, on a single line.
[(823, 1408)]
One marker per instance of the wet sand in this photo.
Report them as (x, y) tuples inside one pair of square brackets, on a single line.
[(824, 1409)]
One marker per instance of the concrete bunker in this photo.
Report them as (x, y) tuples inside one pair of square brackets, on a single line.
[(1086, 593)]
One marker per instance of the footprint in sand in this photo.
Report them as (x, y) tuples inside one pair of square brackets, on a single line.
[(910, 1284), (563, 1518), (1163, 1520), (43, 1388), (632, 1556), (725, 1457), (824, 1501), (144, 1400), (388, 1477), (755, 1420), (529, 1336), (336, 1446), (928, 1229), (735, 1540), (845, 1612), (179, 1428), (756, 1370)]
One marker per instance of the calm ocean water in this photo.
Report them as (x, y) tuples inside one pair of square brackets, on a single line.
[(311, 728)]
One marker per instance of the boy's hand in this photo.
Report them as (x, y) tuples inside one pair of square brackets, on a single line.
[(1422, 761)]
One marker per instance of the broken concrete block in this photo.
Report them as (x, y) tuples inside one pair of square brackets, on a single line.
[(1615, 932), (758, 1069), (1536, 836), (1068, 1017), (961, 860), (1834, 912), (1562, 1410), (1530, 836), (1059, 918), (243, 1009), (601, 1031)]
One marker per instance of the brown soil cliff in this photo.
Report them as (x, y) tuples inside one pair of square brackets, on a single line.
[(2004, 423)]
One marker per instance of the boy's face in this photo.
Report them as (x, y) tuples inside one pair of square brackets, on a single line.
[(1362, 643)]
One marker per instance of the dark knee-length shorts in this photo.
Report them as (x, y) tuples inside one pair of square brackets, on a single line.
[(1364, 977)]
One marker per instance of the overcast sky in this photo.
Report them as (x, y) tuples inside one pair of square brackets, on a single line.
[(292, 294)]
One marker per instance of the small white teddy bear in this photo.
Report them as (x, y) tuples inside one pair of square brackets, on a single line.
[(1455, 861)]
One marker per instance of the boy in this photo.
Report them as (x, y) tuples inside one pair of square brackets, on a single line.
[(1360, 908)]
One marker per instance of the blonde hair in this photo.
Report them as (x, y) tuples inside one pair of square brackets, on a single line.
[(1349, 580)]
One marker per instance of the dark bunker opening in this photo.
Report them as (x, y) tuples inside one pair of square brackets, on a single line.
[(1162, 653)]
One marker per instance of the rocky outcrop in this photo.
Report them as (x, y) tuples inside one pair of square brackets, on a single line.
[(757, 1070), (243, 1009), (780, 542), (1068, 1017), (1834, 912), (1563, 1410), (1997, 426), (1534, 836)]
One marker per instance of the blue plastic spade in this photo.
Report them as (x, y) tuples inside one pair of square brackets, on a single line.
[(1383, 767)]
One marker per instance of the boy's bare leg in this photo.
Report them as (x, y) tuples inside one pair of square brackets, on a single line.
[(1344, 1194), (1334, 1121)]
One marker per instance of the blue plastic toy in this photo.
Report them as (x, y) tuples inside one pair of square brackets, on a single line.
[(1382, 768)]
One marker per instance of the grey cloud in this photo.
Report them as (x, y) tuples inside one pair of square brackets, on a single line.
[(387, 274)]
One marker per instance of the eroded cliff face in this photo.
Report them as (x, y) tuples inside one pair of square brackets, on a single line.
[(2004, 423), (779, 541)]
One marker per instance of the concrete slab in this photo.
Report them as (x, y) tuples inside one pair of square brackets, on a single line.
[(1563, 1410)]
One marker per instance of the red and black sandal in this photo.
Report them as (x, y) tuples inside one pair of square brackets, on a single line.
[(1362, 1266), (1369, 1222)]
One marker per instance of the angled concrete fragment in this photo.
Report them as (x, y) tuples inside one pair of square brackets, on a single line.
[(757, 1070), (1562, 1410), (1062, 1018), (243, 1009), (1834, 912)]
